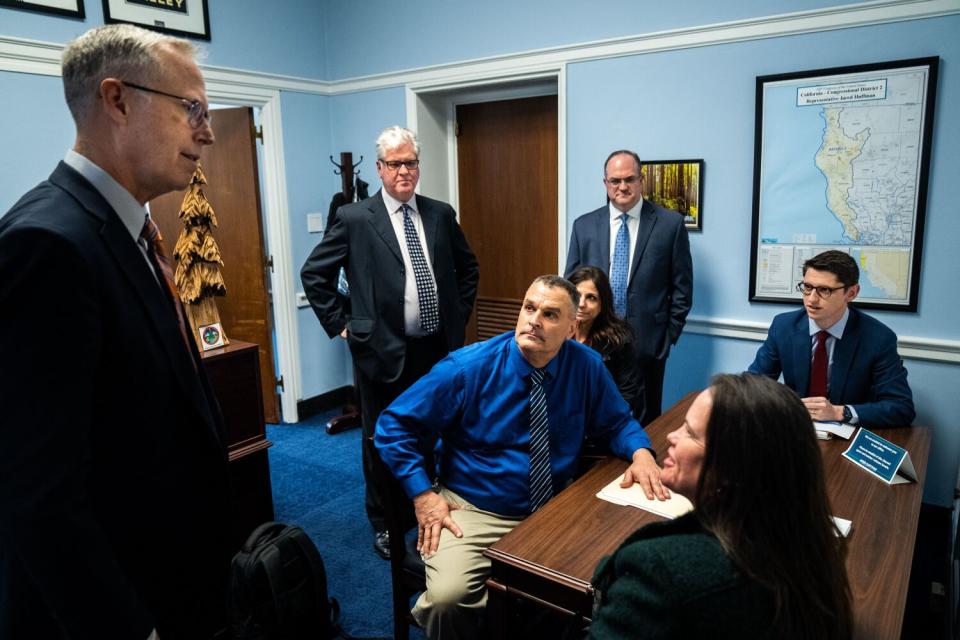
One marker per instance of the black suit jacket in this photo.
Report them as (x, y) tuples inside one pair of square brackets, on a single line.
[(112, 469), (660, 289), (362, 241)]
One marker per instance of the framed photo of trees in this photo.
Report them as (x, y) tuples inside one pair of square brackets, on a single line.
[(677, 185)]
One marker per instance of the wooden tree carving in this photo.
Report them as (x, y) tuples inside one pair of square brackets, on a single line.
[(198, 259)]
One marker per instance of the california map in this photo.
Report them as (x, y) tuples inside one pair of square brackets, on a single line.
[(840, 170)]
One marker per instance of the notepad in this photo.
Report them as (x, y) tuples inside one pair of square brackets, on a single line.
[(833, 428), (633, 496)]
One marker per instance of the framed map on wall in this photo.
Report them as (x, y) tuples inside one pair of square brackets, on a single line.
[(841, 160)]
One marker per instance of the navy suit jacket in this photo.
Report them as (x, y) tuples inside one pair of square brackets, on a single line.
[(660, 289), (363, 242), (113, 476), (866, 373)]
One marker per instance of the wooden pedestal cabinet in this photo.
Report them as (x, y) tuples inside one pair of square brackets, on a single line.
[(234, 373)]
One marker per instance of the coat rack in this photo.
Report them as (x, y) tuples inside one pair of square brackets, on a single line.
[(346, 169)]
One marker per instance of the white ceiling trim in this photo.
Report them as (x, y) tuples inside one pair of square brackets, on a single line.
[(33, 56)]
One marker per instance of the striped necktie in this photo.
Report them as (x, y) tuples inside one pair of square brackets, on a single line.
[(541, 480), (150, 235), (426, 288), (818, 370), (620, 267)]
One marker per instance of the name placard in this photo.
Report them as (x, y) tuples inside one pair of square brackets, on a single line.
[(880, 457)]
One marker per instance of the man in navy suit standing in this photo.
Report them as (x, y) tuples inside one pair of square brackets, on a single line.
[(113, 472), (842, 362), (645, 251), (413, 280)]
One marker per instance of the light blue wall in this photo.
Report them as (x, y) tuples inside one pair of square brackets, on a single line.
[(278, 37), (375, 36), (699, 103)]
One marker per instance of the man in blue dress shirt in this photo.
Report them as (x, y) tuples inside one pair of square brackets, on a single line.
[(511, 413)]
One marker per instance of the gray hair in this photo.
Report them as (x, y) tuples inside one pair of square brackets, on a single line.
[(120, 51), (393, 137), (552, 281)]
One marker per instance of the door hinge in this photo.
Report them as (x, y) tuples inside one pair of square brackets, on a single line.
[(456, 129), (280, 383), (270, 263), (258, 133)]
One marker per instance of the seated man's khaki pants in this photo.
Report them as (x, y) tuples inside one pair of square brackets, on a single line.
[(456, 595)]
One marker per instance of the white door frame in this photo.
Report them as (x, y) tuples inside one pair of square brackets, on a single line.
[(432, 110), (276, 217)]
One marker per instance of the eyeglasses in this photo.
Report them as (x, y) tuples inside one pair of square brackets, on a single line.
[(616, 182), (394, 165), (197, 113), (824, 292)]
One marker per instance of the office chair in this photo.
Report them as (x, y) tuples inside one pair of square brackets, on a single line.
[(406, 567)]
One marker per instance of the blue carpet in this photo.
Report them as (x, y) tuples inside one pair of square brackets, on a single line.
[(318, 485)]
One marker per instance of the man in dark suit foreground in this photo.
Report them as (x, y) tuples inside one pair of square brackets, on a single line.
[(645, 251), (843, 363), (413, 281), (112, 519)]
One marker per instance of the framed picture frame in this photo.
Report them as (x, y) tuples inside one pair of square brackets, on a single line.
[(677, 185), (841, 161), (69, 8), (189, 18)]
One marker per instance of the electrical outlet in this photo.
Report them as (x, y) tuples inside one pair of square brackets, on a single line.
[(314, 222)]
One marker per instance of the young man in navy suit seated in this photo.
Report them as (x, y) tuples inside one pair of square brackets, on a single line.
[(842, 362)]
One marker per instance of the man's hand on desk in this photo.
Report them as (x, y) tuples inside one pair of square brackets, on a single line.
[(821, 410), (645, 472), (433, 514)]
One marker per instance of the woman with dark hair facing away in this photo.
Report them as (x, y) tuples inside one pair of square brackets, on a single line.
[(759, 556), (599, 327)]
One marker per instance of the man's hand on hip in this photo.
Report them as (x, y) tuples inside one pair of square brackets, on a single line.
[(433, 514), (645, 472)]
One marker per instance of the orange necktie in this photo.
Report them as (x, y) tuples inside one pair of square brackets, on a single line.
[(161, 264)]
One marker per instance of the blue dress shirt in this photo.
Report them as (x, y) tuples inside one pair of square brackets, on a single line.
[(476, 399)]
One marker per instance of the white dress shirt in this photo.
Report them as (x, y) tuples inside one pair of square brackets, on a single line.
[(834, 333), (411, 300), (633, 227)]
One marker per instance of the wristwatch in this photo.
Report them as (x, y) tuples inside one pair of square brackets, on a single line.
[(847, 414)]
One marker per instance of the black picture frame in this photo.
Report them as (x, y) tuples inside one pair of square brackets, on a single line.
[(676, 185), (40, 6), (184, 18), (873, 161)]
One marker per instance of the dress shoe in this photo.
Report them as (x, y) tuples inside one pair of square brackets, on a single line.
[(381, 544)]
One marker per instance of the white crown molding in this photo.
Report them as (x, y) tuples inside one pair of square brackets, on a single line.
[(932, 350), (43, 58)]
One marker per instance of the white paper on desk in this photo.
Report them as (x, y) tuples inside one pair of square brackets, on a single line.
[(844, 525), (633, 496), (836, 428)]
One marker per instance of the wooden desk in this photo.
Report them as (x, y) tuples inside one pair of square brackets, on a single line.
[(550, 557)]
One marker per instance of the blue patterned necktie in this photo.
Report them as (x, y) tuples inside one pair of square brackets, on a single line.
[(541, 481), (426, 289), (620, 267)]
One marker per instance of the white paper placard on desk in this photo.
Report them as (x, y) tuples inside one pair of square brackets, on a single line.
[(881, 458), (634, 496), (835, 428)]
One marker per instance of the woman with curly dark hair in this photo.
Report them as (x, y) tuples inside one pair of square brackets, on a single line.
[(759, 556), (599, 327)]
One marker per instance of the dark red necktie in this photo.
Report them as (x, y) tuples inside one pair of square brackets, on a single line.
[(818, 371), (161, 264)]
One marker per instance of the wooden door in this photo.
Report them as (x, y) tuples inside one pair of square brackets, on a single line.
[(233, 190), (507, 165)]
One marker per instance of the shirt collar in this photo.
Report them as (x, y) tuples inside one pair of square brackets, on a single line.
[(836, 330), (633, 212), (129, 211), (393, 205), (523, 368)]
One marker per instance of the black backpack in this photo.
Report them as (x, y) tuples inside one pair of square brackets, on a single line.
[(278, 587)]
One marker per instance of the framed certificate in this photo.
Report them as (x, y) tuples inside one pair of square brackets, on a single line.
[(177, 17)]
